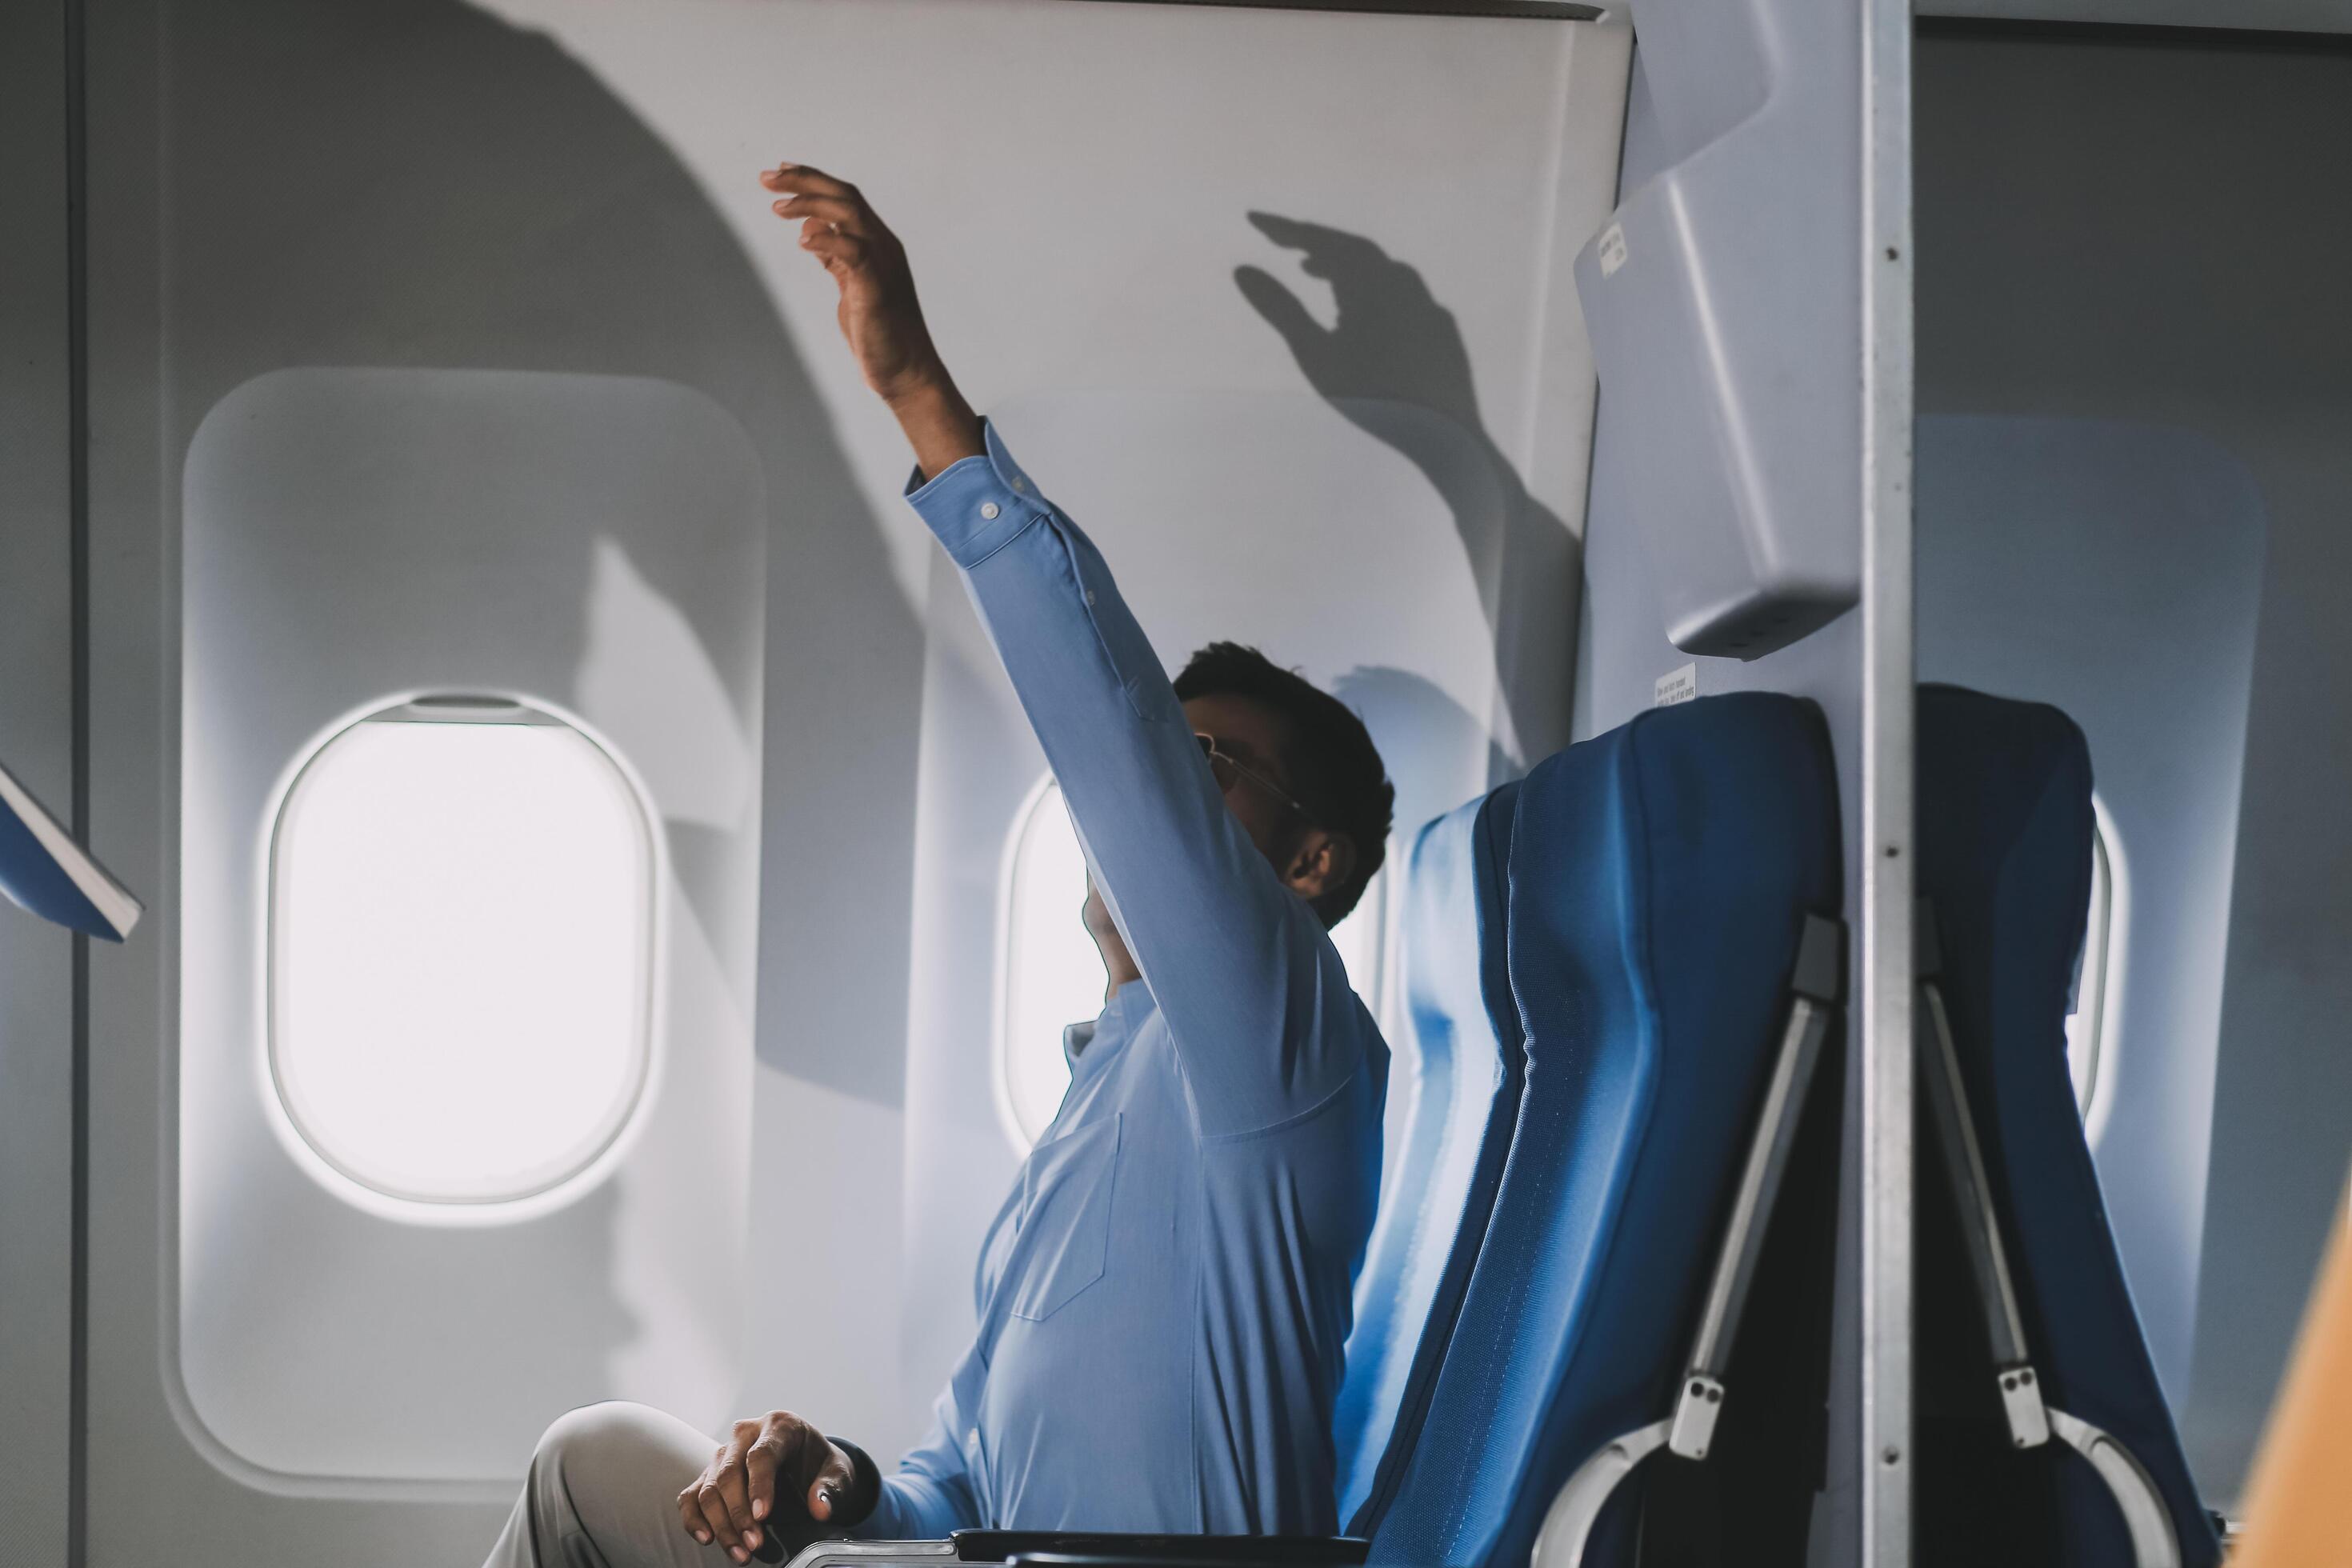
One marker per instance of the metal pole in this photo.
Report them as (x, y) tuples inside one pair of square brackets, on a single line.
[(1883, 1019)]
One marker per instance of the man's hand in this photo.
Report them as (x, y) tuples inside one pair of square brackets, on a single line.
[(764, 1461), (879, 314)]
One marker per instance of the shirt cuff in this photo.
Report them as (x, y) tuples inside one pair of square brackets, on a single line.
[(865, 1485), (978, 505)]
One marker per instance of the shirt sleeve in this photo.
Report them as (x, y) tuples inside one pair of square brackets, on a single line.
[(930, 1496), (1239, 965)]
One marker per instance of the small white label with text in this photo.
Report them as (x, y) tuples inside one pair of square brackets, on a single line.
[(1612, 250)]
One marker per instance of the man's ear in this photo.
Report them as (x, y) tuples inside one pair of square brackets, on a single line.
[(1320, 862)]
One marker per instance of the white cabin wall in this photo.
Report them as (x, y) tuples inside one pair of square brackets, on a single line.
[(2131, 233), (569, 188), (592, 545)]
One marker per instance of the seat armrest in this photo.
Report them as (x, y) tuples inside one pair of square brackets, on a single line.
[(1094, 1549), (1077, 1560), (831, 1553)]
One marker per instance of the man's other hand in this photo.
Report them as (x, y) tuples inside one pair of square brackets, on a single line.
[(879, 314), (766, 1460)]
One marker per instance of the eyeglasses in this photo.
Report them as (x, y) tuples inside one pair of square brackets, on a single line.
[(1225, 770)]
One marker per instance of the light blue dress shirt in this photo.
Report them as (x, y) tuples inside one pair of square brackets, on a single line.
[(1164, 1297)]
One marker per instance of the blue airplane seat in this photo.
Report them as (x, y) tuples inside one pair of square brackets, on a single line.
[(1661, 877), (1468, 1070), (2005, 846)]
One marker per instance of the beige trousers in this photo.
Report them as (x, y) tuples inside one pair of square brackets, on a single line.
[(602, 1493)]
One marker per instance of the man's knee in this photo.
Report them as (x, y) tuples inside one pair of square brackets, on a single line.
[(614, 1438), (612, 1472)]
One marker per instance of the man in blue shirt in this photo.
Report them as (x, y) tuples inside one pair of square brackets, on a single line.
[(1164, 1297)]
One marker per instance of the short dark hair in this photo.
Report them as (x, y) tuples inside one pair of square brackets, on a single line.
[(1335, 770)]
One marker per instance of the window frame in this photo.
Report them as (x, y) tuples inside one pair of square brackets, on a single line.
[(1007, 951), (1369, 916), (2099, 978), (593, 1158)]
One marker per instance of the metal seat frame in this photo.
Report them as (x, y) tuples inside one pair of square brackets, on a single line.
[(2032, 1422), (1813, 990)]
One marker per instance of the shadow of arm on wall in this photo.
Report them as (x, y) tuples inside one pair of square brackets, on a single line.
[(323, 208), (1390, 342)]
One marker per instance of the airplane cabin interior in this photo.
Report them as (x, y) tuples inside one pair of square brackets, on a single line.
[(580, 826)]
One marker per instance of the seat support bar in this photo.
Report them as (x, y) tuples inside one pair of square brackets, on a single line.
[(1963, 1161), (1814, 994), (2154, 1544), (1568, 1522)]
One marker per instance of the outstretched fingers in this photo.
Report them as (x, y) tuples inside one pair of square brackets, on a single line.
[(834, 212), (1283, 311), (799, 179), (848, 250), (1321, 247)]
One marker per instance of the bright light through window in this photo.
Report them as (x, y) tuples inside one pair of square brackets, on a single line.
[(1051, 976), (461, 943), (2085, 1024)]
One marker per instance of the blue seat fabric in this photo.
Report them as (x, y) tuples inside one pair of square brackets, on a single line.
[(1659, 880), (2005, 844), (1468, 1068)]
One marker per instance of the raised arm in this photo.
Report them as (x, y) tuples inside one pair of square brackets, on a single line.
[(1236, 960)]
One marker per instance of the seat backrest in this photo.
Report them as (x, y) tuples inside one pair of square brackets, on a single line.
[(1660, 876), (1466, 1069), (2005, 833)]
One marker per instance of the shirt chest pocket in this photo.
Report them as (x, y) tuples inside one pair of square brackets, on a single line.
[(1065, 1193)]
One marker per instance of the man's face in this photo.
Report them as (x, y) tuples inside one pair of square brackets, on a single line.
[(1257, 738)]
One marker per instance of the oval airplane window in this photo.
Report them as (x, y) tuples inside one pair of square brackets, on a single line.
[(461, 940), (1049, 975), (2087, 1022)]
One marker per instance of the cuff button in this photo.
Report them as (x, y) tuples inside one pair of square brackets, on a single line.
[(987, 508)]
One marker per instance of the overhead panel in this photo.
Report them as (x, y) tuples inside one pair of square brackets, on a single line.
[(1720, 302)]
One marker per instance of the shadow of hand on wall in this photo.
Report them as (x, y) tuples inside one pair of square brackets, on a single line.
[(1390, 338), (1390, 343)]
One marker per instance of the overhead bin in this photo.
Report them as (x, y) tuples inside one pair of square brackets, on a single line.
[(1720, 302)]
